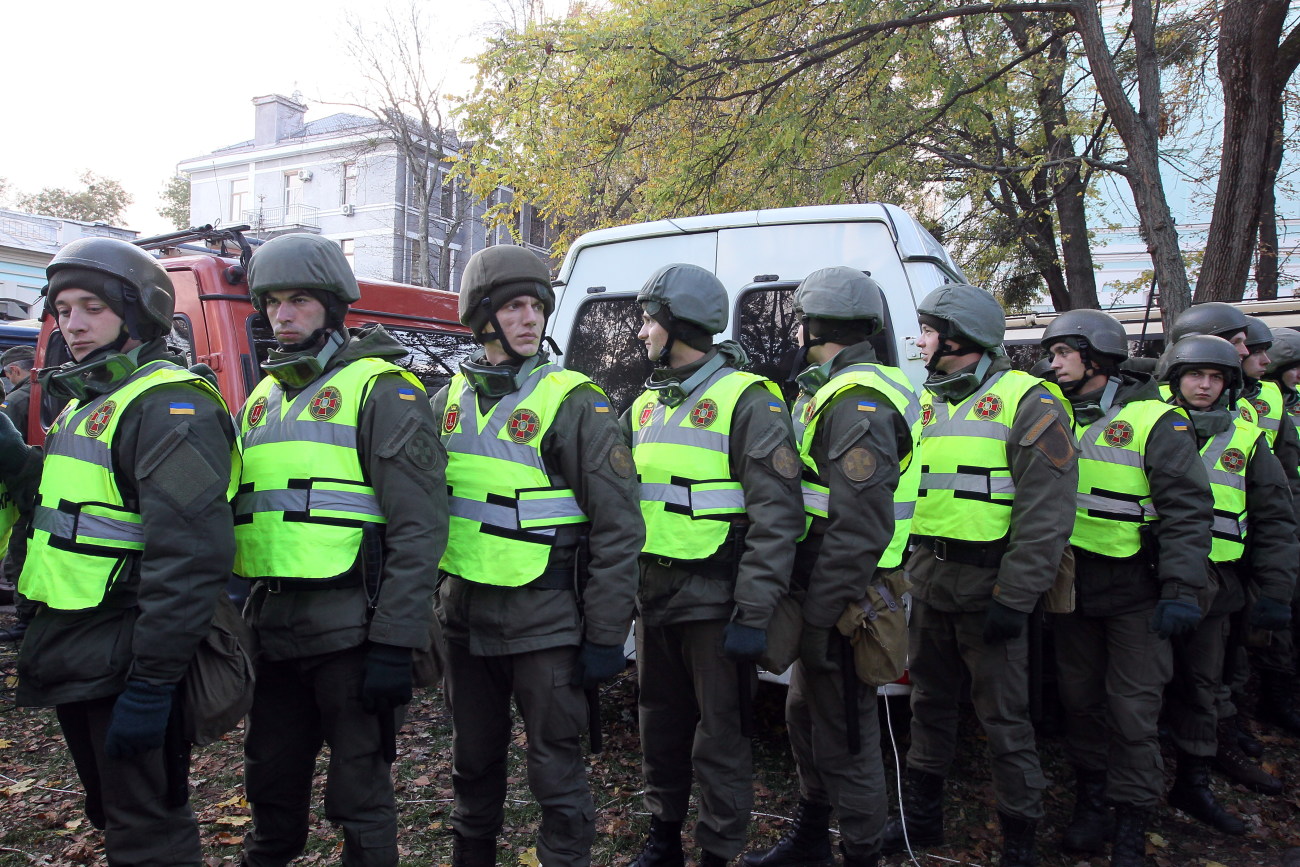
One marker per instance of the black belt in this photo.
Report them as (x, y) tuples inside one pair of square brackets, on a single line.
[(294, 585), (719, 569), (552, 579), (984, 554)]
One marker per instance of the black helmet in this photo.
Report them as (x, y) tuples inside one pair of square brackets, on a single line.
[(1042, 369), (1258, 335), (1091, 330), (689, 293), (128, 279), (1205, 350), (964, 314), (1284, 353), (304, 261), (496, 274), (1210, 317), (841, 293)]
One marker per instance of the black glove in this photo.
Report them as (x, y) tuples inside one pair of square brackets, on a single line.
[(1175, 617), (743, 643), (1270, 614), (139, 720), (13, 449), (1002, 624), (597, 663), (815, 649), (386, 682)]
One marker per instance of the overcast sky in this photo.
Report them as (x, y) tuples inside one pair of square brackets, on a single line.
[(130, 88)]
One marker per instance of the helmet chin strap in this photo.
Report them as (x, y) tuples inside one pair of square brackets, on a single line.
[(498, 334), (800, 364)]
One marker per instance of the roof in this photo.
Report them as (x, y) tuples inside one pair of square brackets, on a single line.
[(335, 124)]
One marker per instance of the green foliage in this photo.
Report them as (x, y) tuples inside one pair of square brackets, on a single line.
[(103, 199), (176, 201)]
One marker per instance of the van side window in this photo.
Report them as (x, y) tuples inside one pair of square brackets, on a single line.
[(435, 355), (603, 345), (181, 338)]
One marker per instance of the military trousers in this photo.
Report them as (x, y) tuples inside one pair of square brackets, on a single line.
[(691, 726), (299, 705), (479, 690), (141, 802), (853, 784), (1111, 675), (941, 644), (1196, 695)]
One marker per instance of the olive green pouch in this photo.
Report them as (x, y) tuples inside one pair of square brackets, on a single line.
[(783, 636), (876, 626)]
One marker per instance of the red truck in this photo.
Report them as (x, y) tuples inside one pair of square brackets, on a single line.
[(215, 323)]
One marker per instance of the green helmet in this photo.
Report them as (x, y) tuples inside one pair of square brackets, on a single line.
[(129, 280), (495, 275), (841, 293), (1284, 354), (965, 314), (303, 261), (689, 293), (1205, 350), (1090, 330), (1210, 317)]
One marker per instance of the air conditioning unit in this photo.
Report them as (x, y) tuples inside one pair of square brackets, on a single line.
[(348, 210), (304, 175)]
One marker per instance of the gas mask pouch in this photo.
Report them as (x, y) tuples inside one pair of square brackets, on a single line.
[(295, 370), (671, 392)]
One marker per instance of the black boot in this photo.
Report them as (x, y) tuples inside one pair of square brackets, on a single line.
[(14, 633), (1019, 838), (869, 860), (708, 859), (806, 843), (1093, 824), (1130, 837), (923, 812), (1191, 794), (1249, 745), (1233, 764), (473, 851), (1277, 702), (663, 846)]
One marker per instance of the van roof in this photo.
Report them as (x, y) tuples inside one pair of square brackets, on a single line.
[(912, 239)]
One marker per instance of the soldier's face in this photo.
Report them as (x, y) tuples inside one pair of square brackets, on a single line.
[(653, 336), (1067, 362), (1201, 386), (1291, 377), (928, 344), (1238, 340), (1255, 364), (86, 321), (295, 315), (522, 321)]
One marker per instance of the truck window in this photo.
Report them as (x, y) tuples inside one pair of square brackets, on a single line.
[(181, 338), (603, 345)]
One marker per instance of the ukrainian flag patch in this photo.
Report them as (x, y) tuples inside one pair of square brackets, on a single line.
[(773, 406), (602, 406), (406, 393), (866, 406), (1045, 399), (1179, 425), (182, 408)]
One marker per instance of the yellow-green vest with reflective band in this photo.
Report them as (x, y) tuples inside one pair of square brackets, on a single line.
[(8, 516), (891, 383), (966, 487), (1114, 491), (683, 457), (303, 498), (1268, 406), (83, 536), (1226, 456), (505, 508)]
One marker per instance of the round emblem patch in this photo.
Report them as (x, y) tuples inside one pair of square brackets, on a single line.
[(1261, 406), (859, 464), (1118, 433), (99, 419), (450, 417), (809, 408), (1233, 460), (927, 414), (620, 461), (786, 462), (988, 406), (256, 411), (325, 405), (646, 411), (704, 413), (523, 425), (1246, 411)]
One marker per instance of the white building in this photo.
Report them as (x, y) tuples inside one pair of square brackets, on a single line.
[(27, 244)]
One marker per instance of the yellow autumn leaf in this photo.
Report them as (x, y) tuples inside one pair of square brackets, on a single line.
[(234, 820), (529, 859), (1157, 841), (1214, 864), (5, 743), (236, 801), (19, 787)]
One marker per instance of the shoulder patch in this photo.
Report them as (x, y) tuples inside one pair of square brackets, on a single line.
[(256, 412), (523, 425), (989, 406), (620, 461), (326, 403), (422, 449), (450, 416), (859, 464), (704, 413), (786, 462)]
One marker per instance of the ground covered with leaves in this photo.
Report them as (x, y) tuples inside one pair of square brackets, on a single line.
[(41, 820)]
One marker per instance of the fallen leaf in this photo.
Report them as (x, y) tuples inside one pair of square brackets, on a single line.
[(1156, 840), (19, 787), (529, 859), (236, 801), (236, 821), (5, 743)]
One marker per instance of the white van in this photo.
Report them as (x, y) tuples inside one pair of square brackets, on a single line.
[(760, 256)]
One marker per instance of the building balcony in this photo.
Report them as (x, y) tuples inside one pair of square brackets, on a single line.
[(293, 218)]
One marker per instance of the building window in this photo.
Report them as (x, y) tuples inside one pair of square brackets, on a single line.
[(448, 196), (292, 191), (349, 193), (240, 199), (349, 247)]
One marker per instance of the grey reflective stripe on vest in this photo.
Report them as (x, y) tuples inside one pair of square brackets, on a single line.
[(82, 526), (299, 500), (1115, 506), (549, 509), (971, 483), (1093, 451), (1213, 453), (904, 511), (81, 448), (684, 435), (695, 501), (943, 424), (912, 409), (322, 432), (1225, 525), (1268, 423), (816, 500), (490, 515), (488, 443), (1227, 479)]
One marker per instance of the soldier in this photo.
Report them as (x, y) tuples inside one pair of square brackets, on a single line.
[(996, 506), (539, 578), (341, 507), (720, 493), (130, 548), (1141, 538), (1250, 495), (859, 505), (16, 362)]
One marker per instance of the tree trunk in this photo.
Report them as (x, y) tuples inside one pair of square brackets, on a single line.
[(1137, 129), (1266, 267), (1249, 33)]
